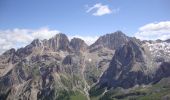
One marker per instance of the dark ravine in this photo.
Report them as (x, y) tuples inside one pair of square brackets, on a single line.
[(115, 66)]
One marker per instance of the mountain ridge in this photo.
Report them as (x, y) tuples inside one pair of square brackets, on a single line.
[(60, 68)]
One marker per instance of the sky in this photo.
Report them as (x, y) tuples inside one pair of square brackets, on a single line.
[(21, 21)]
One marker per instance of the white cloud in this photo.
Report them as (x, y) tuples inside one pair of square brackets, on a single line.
[(44, 33), (100, 9), (153, 31), (88, 39), (16, 38)]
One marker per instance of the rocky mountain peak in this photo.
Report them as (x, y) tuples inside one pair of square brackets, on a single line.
[(112, 41), (60, 35), (9, 52), (59, 42), (78, 44), (37, 43), (119, 33)]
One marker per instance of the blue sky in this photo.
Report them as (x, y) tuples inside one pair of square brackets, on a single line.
[(77, 17), (70, 17)]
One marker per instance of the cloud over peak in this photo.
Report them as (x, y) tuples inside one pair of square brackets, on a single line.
[(99, 9)]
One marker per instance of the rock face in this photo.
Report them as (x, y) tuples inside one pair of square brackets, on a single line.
[(127, 67), (59, 69)]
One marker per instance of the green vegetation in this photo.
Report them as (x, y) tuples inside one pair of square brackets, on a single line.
[(96, 91), (77, 81), (78, 96), (63, 95), (72, 81), (66, 81), (70, 95), (156, 92), (35, 72), (153, 92)]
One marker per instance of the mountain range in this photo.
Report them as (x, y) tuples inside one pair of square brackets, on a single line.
[(115, 67)]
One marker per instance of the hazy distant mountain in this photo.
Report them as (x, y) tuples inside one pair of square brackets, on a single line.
[(114, 67)]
